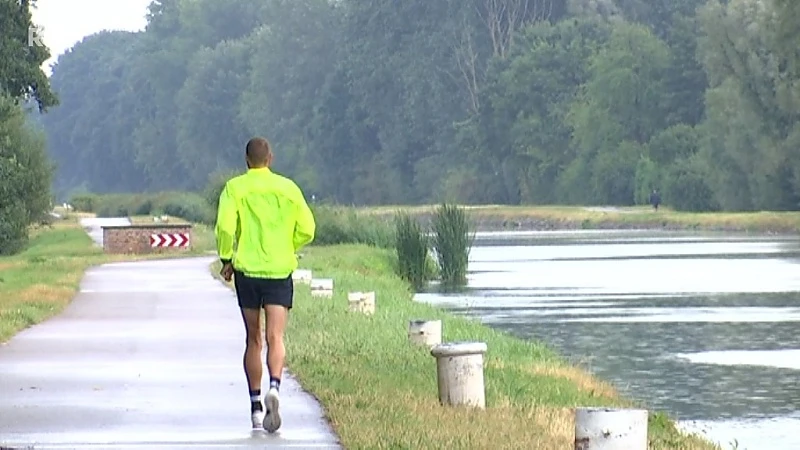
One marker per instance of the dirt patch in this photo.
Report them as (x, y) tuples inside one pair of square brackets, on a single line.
[(584, 380), (40, 293), (8, 265)]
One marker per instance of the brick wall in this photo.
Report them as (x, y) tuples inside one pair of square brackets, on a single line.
[(135, 239)]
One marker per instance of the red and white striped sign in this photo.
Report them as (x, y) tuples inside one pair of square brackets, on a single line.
[(169, 240)]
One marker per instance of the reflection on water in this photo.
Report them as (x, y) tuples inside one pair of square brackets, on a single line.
[(702, 326)]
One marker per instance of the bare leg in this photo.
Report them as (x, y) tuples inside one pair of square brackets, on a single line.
[(277, 317), (253, 366), (276, 352)]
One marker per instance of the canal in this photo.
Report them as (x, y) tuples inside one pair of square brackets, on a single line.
[(702, 326)]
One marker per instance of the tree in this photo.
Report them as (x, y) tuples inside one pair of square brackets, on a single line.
[(474, 101), (21, 77), (753, 108), (25, 172), (89, 134), (25, 177)]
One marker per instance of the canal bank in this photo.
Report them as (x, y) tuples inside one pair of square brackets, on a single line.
[(380, 392), (701, 325), (548, 218)]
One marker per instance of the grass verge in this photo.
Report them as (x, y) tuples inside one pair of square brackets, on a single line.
[(492, 217), (40, 282), (379, 392)]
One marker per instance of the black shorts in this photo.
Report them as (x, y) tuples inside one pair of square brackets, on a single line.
[(255, 293)]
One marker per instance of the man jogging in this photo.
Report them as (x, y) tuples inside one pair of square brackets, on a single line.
[(265, 219)]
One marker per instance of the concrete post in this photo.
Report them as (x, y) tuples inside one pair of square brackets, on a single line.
[(363, 302), (302, 276), (459, 369), (425, 332), (322, 287), (610, 429)]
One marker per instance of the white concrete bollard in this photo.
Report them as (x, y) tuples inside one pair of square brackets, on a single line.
[(322, 287), (610, 429), (363, 302), (302, 276), (425, 332), (459, 369)]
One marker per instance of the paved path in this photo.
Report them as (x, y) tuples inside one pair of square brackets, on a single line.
[(94, 226), (148, 355)]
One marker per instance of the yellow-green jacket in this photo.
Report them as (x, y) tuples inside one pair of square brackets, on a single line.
[(262, 221)]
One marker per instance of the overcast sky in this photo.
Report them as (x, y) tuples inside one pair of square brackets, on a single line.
[(66, 22)]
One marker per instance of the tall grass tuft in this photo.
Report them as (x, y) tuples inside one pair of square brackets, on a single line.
[(452, 241), (411, 244)]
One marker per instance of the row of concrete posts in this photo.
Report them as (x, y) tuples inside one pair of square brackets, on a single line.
[(459, 369)]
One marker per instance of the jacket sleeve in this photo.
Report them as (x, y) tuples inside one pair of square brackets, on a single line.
[(305, 225), (227, 225)]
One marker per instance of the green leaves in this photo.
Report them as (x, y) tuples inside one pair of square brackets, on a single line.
[(475, 101), (25, 176), (21, 76)]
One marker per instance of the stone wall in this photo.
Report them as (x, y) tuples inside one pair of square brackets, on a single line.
[(135, 239)]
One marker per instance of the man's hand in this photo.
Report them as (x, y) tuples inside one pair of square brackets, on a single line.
[(227, 272)]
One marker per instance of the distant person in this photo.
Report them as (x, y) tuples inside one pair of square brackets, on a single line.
[(262, 221), (655, 199)]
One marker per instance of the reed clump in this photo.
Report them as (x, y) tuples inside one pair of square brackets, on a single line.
[(411, 244), (452, 241)]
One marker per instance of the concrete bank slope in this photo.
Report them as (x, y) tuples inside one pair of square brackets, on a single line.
[(149, 355)]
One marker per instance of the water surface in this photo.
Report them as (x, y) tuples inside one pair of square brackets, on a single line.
[(703, 326)]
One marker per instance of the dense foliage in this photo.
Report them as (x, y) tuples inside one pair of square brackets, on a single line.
[(25, 169), (472, 101)]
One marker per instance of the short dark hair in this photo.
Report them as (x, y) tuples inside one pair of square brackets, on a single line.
[(258, 151)]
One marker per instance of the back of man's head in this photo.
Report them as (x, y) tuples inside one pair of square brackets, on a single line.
[(258, 152)]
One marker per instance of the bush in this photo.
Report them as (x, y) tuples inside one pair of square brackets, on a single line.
[(190, 207), (412, 251), (686, 188), (343, 226), (216, 183), (13, 228), (452, 241), (648, 177), (84, 202), (187, 206)]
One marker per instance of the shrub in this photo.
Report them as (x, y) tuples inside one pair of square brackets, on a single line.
[(191, 207), (686, 187), (84, 202), (216, 183), (187, 206), (411, 244), (343, 226), (13, 228), (452, 240)]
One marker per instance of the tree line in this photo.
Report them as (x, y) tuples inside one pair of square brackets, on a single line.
[(469, 101), (25, 170)]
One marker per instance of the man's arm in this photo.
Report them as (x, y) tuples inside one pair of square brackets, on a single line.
[(227, 225), (304, 226)]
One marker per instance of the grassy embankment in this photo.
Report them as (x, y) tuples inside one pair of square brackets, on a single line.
[(380, 392), (491, 217), (40, 282)]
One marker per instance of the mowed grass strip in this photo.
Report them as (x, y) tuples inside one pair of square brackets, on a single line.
[(380, 392), (41, 281), (622, 217)]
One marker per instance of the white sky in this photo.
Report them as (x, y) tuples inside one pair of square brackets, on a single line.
[(66, 22)]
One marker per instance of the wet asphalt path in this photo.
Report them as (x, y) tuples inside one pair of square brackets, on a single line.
[(148, 355)]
